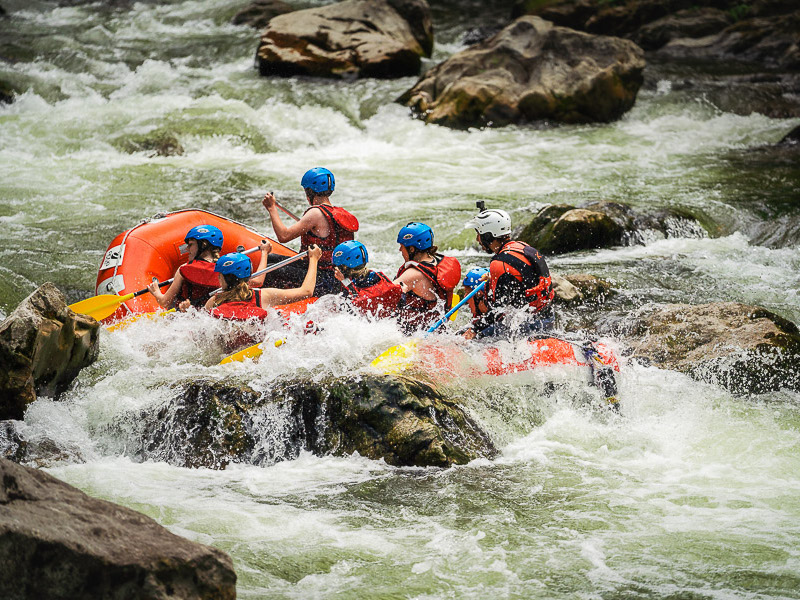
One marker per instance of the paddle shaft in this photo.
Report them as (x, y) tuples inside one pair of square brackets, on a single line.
[(104, 305), (274, 267), (291, 214), (438, 323)]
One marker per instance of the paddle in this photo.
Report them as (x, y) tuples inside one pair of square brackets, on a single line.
[(291, 214), (274, 267), (105, 305), (396, 358)]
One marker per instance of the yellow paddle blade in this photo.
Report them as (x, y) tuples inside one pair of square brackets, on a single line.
[(252, 352), (130, 320), (456, 300), (397, 358), (101, 306)]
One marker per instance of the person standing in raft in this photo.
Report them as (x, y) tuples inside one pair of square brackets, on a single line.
[(370, 292), (426, 278), (322, 224), (519, 283), (238, 301), (195, 280)]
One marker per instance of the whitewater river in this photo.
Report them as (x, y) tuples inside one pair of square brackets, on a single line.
[(691, 493)]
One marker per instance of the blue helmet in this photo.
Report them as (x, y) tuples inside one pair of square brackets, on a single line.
[(234, 263), (473, 277), (209, 233), (350, 254), (418, 235), (319, 180)]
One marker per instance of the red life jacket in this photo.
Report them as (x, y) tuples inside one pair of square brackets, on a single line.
[(415, 311), (241, 310), (376, 295), (341, 226), (525, 264), (199, 280)]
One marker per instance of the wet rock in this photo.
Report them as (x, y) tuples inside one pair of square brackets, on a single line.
[(591, 289), (691, 23), (400, 420), (260, 13), (531, 71), (354, 38), (746, 349), (557, 229), (57, 542), (762, 31), (771, 41), (43, 347), (41, 451), (792, 138), (155, 143), (6, 93)]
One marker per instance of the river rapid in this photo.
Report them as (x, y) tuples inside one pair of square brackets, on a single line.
[(691, 492)]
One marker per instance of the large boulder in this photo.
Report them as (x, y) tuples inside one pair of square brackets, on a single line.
[(58, 543), (690, 23), (400, 420), (43, 347), (354, 38), (746, 349), (761, 31), (771, 41), (561, 228), (531, 71)]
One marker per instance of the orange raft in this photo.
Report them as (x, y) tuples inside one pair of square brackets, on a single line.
[(447, 361), (155, 248)]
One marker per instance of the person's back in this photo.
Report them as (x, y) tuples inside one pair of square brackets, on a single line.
[(370, 292), (322, 224), (519, 278)]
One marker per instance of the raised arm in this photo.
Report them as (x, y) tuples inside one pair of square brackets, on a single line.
[(265, 248), (274, 296), (283, 232)]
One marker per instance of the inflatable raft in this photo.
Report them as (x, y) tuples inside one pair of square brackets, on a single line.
[(443, 361), (155, 248)]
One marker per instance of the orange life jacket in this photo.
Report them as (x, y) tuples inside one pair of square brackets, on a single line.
[(376, 295), (199, 280), (525, 264), (341, 226)]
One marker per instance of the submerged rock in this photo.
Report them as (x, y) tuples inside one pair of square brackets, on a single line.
[(531, 71), (561, 228), (400, 420), (746, 349), (260, 13), (57, 542), (154, 143), (354, 38), (43, 347), (581, 288)]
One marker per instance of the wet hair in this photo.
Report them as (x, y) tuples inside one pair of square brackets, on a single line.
[(311, 194), (356, 273), (413, 251), (488, 238), (237, 291), (203, 246)]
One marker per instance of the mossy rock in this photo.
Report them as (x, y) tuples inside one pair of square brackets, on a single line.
[(400, 420)]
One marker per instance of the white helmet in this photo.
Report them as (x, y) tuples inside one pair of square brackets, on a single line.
[(493, 221)]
